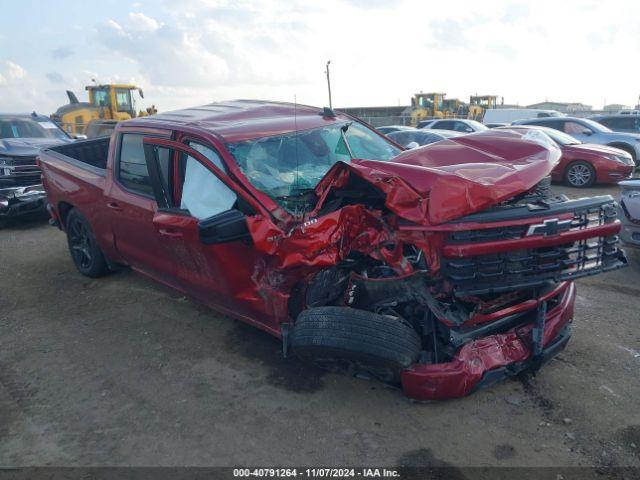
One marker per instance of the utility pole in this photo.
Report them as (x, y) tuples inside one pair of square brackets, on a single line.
[(329, 84)]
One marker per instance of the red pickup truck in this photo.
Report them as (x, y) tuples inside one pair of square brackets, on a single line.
[(442, 269)]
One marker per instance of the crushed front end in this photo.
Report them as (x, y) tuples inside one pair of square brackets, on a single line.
[(477, 257), (21, 190), (506, 294)]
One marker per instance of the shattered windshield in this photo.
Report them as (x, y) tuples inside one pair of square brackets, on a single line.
[(294, 163)]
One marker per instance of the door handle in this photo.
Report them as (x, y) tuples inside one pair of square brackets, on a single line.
[(170, 232), (114, 206)]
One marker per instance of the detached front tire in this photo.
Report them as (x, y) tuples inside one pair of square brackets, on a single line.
[(341, 338), (83, 247)]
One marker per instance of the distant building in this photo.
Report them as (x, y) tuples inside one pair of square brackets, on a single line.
[(564, 107), (614, 107)]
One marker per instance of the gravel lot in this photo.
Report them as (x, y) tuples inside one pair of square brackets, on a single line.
[(121, 371)]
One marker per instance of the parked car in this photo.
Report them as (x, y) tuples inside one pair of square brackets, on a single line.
[(21, 138), (441, 269), (510, 115), (620, 122), (581, 164), (588, 131), (629, 212), (421, 137), (393, 128), (457, 125)]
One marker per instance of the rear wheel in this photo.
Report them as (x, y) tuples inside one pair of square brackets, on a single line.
[(580, 174), (83, 247), (347, 339)]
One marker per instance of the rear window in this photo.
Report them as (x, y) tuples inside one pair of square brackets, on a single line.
[(132, 166)]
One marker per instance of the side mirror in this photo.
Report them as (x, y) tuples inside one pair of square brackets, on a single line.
[(224, 227), (587, 132), (79, 136), (412, 145), (468, 130)]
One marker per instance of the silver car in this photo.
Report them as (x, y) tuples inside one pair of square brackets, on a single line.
[(421, 137), (589, 131), (629, 211), (461, 125)]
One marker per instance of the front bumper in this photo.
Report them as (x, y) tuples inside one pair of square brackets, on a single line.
[(615, 173), (486, 360), (630, 233), (16, 201)]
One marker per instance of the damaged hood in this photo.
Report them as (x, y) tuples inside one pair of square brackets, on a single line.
[(453, 178), (28, 146)]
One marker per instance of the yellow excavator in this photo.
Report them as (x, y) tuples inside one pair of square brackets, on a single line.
[(478, 104), (108, 104), (426, 105)]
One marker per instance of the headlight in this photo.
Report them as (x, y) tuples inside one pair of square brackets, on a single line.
[(623, 159), (4, 202)]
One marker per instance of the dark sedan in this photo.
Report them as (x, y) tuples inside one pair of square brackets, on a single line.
[(619, 122), (393, 128)]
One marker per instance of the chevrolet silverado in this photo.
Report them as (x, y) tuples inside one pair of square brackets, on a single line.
[(441, 269)]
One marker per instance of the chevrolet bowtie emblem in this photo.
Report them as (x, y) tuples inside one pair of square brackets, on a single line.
[(552, 226)]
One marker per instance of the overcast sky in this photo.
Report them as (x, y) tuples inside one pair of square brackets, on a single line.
[(191, 52)]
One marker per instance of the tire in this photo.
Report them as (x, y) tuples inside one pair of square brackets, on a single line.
[(579, 174), (341, 338), (83, 247)]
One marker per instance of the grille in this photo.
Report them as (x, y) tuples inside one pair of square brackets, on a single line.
[(514, 269), (586, 218), (19, 172)]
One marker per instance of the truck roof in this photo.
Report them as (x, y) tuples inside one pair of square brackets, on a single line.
[(240, 120)]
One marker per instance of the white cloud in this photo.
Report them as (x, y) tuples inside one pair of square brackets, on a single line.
[(381, 52), (15, 71), (141, 22)]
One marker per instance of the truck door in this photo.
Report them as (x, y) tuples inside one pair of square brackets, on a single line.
[(204, 212), (132, 207)]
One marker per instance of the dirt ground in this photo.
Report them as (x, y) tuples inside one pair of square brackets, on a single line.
[(121, 371)]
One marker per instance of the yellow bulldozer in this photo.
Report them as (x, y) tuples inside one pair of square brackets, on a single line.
[(425, 106), (478, 104), (108, 104)]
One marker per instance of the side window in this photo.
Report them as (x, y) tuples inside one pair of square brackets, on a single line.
[(445, 125), (573, 128), (461, 127), (202, 193), (132, 167)]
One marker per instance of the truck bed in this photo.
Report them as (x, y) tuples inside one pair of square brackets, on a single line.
[(75, 175), (92, 152)]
